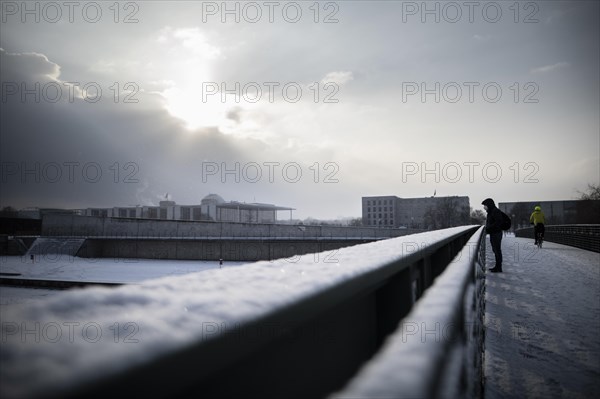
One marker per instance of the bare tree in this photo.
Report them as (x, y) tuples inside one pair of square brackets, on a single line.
[(355, 222), (8, 212), (520, 214), (431, 218), (477, 216), (592, 193), (446, 213)]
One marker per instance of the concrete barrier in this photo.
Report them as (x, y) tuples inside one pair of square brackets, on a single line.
[(228, 249), (90, 226)]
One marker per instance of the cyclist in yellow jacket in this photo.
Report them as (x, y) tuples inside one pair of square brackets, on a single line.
[(538, 220)]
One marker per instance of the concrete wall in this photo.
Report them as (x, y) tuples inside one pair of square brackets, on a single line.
[(210, 249), (90, 226), (203, 240)]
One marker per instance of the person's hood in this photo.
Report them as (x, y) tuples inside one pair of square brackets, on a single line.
[(489, 203)]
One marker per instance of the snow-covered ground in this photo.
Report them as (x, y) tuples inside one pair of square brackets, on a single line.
[(70, 268), (542, 322)]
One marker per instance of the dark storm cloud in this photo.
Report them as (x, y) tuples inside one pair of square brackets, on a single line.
[(27, 65), (73, 153)]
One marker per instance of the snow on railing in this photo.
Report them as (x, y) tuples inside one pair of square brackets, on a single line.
[(437, 350), (269, 329)]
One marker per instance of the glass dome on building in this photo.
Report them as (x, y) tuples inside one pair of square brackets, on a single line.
[(212, 199)]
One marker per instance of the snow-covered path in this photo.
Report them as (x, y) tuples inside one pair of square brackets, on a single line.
[(542, 322)]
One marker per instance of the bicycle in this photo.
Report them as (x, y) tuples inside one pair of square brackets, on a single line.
[(539, 239)]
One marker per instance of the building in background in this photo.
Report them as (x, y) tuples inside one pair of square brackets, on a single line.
[(420, 213), (212, 208), (556, 212)]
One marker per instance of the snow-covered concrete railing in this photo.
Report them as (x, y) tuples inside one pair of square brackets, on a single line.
[(283, 328), (584, 236), (437, 350)]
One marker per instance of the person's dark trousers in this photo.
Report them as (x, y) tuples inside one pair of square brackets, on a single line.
[(496, 241), (538, 228)]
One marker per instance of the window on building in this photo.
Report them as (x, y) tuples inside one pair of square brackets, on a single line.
[(197, 213), (122, 213), (132, 213), (185, 213)]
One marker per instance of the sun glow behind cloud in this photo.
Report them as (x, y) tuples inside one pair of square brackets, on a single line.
[(189, 64)]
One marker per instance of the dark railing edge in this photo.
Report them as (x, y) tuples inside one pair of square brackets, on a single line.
[(431, 384)]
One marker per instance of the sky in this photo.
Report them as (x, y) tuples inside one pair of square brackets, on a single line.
[(310, 105)]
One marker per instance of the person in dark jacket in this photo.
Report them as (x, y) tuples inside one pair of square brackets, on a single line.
[(493, 226)]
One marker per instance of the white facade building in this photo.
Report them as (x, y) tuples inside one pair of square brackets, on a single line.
[(212, 208)]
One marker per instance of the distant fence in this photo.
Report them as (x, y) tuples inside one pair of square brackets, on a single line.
[(268, 330), (584, 236)]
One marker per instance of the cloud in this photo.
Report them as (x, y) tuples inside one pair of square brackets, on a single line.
[(339, 77), (171, 54), (191, 39), (79, 154), (34, 65), (235, 114), (550, 68), (555, 16), (32, 69), (482, 38)]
